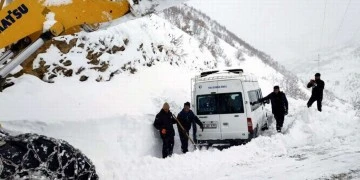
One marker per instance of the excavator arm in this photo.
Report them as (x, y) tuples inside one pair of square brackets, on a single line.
[(26, 24), (23, 18)]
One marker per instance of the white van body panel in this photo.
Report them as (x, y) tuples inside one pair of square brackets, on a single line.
[(256, 112), (233, 125), (210, 121), (221, 100)]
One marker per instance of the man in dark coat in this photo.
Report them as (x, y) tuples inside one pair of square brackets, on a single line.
[(164, 123), (186, 117), (317, 86), (279, 106)]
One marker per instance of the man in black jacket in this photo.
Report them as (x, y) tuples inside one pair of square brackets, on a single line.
[(317, 86), (164, 123), (279, 106), (186, 117)]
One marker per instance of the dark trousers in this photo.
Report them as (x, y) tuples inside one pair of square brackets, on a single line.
[(168, 146), (313, 99), (279, 120), (194, 131), (184, 140)]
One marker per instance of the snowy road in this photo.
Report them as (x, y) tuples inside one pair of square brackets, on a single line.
[(314, 145)]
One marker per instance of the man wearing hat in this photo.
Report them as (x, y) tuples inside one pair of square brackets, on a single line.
[(186, 117), (164, 121), (279, 106), (317, 86)]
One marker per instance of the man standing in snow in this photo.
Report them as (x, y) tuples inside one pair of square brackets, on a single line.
[(186, 117), (164, 123), (317, 86), (279, 106)]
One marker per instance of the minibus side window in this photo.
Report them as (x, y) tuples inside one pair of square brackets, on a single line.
[(230, 103), (253, 96), (227, 103)]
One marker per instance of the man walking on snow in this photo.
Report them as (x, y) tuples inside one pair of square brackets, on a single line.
[(279, 106), (186, 117), (164, 123), (317, 86)]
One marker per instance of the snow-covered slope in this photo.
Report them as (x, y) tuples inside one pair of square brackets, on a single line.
[(124, 49), (209, 32), (111, 121), (339, 67)]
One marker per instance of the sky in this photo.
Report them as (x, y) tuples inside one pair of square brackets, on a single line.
[(287, 29)]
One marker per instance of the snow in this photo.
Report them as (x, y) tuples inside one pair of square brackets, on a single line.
[(339, 68), (149, 6), (286, 29), (16, 70), (154, 32), (56, 2), (50, 21), (112, 124), (111, 121)]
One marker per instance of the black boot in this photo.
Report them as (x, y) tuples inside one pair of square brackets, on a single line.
[(278, 129)]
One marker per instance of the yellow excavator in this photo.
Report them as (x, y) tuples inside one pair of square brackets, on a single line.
[(26, 24)]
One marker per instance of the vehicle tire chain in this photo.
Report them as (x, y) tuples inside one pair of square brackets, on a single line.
[(31, 156)]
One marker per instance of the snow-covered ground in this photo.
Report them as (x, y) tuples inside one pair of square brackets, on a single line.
[(339, 67), (112, 124), (111, 121)]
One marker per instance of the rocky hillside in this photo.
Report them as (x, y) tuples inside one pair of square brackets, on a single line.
[(209, 32), (181, 36)]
